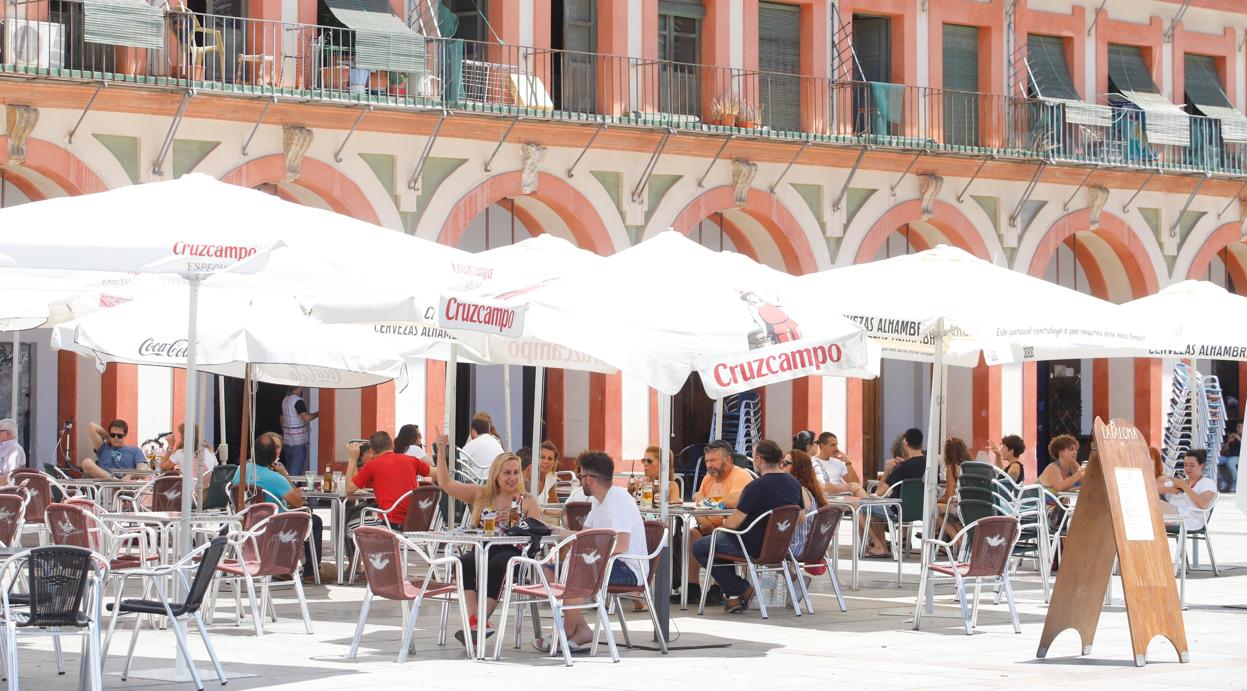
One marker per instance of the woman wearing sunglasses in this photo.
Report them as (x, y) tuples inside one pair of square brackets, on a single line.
[(652, 466)]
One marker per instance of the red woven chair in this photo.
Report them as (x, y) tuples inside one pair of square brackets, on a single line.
[(72, 525), (574, 515), (41, 488), (824, 522), (781, 525), (655, 540), (422, 514), (384, 554), (585, 572), (278, 550), (991, 541), (248, 519), (86, 503), (12, 518)]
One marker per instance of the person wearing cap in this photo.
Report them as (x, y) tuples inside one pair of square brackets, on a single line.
[(12, 455)]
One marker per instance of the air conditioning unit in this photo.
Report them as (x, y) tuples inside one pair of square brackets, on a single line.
[(29, 43)]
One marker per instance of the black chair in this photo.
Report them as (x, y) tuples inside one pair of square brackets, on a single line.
[(58, 597), (209, 555), (689, 463)]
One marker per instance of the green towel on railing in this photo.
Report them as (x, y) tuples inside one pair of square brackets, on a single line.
[(886, 106)]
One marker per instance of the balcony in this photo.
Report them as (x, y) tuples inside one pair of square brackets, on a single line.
[(307, 62)]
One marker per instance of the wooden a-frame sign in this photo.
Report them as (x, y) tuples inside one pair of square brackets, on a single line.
[(1117, 515)]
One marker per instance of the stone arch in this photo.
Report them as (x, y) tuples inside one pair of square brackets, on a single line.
[(51, 170), (1194, 260), (1139, 258), (762, 208), (955, 227), (554, 196), (337, 191)]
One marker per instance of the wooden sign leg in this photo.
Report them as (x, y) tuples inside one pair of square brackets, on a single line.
[(1086, 566)]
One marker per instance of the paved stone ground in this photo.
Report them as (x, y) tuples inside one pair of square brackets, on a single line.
[(871, 645)]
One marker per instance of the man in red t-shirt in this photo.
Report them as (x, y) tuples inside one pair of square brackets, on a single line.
[(388, 474)]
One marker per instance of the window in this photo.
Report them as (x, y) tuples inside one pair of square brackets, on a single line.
[(779, 60), (679, 50), (1205, 95), (1130, 78), (961, 85)]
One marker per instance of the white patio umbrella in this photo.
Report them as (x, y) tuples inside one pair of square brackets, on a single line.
[(947, 307), (666, 308), (196, 227)]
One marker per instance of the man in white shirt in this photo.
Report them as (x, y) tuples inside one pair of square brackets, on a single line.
[(482, 447), (613, 509), (12, 455), (833, 467)]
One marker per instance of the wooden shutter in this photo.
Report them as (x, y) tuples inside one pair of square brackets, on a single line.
[(1049, 71), (872, 42), (779, 60), (961, 84), (579, 78)]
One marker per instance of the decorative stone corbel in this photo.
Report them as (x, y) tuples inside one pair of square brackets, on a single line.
[(929, 186), (1097, 197), (294, 142), (743, 173), (19, 123), (1242, 213), (530, 160)]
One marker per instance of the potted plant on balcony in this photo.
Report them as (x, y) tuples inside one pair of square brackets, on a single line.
[(731, 111), (715, 115), (749, 116)]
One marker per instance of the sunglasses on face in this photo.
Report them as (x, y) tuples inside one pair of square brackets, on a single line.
[(647, 461), (787, 463), (114, 435)]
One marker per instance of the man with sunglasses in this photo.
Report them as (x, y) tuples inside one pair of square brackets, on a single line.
[(112, 454)]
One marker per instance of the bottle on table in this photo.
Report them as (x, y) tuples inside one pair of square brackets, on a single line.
[(326, 483)]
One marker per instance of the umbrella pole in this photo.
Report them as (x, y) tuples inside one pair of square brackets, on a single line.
[(452, 376), (244, 439), (662, 601), (932, 475), (539, 386), (190, 443), (16, 373), (717, 432), (506, 406), (222, 449)]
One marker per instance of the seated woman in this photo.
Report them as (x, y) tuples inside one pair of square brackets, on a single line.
[(1064, 474), (1189, 496), (172, 459), (502, 488), (652, 465), (798, 464), (955, 453), (1008, 457)]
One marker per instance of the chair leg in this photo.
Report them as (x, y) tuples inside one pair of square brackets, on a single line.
[(60, 657), (354, 564), (803, 590), (359, 628), (504, 612), (605, 621), (186, 650), (12, 655), (562, 633), (924, 595), (409, 627), (705, 581), (623, 621), (965, 607), (441, 637), (835, 586), (257, 616), (216, 662), (1007, 587), (1211, 558), (267, 607), (134, 639), (974, 613), (757, 588), (792, 591), (653, 618), (465, 621), (298, 588)]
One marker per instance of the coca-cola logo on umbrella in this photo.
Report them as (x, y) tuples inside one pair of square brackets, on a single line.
[(167, 349)]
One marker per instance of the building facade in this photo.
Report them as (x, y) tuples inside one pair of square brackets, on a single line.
[(1100, 145)]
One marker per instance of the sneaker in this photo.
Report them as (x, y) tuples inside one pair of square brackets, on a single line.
[(714, 596)]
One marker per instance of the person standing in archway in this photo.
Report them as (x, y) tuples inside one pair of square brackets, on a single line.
[(296, 431)]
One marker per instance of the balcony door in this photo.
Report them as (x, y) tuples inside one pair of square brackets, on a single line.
[(575, 75), (679, 50), (961, 85), (872, 44), (779, 61)]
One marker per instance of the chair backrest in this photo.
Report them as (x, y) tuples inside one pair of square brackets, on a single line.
[(823, 526), (167, 492), (655, 532), (280, 546), (40, 489), (973, 509), (913, 497), (422, 508), (575, 513), (59, 577), (12, 517), (86, 503), (991, 545), (382, 557), (70, 526), (203, 575), (216, 489), (781, 526), (250, 517), (586, 565)]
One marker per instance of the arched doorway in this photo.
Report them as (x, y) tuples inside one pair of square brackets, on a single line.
[(1222, 260), (581, 410), (1114, 263)]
